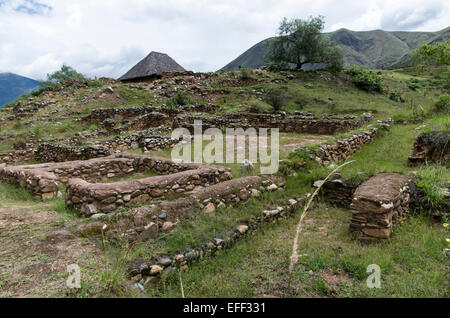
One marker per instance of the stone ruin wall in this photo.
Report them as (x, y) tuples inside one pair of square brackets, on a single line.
[(101, 114), (44, 179), (378, 204), (433, 146), (296, 123), (60, 153), (344, 148), (13, 156), (103, 198), (148, 221)]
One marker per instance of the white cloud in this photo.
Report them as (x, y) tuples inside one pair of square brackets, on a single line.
[(106, 38)]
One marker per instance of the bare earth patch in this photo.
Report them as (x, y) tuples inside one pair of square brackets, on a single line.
[(34, 253)]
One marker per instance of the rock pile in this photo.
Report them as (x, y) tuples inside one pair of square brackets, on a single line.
[(378, 204)]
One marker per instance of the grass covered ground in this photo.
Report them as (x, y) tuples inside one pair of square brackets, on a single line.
[(331, 264)]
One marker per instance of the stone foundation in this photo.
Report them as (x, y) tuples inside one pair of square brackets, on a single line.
[(378, 204), (145, 222), (155, 143), (60, 153), (139, 268), (44, 179), (103, 198)]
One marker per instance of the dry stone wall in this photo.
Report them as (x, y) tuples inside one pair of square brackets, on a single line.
[(60, 153), (432, 146), (13, 156), (139, 268), (44, 179), (119, 114), (344, 148), (145, 222), (293, 123), (94, 198), (378, 204), (337, 191)]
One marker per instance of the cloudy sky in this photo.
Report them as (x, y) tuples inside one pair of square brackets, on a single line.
[(107, 37)]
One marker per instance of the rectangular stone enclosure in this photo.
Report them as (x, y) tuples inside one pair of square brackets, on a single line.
[(44, 180), (378, 204)]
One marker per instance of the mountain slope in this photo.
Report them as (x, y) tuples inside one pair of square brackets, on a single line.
[(370, 49), (13, 85)]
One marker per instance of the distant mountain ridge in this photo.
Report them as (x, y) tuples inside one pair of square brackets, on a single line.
[(376, 49), (13, 85)]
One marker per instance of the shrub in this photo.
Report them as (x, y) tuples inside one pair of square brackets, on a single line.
[(443, 104), (368, 81), (275, 98), (244, 73), (413, 84), (365, 80), (180, 98), (354, 70), (396, 97)]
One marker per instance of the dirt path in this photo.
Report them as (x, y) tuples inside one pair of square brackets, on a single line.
[(35, 250)]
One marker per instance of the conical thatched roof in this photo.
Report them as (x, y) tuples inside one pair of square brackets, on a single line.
[(153, 64)]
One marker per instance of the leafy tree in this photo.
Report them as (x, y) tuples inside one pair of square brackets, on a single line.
[(65, 74), (432, 54), (301, 41)]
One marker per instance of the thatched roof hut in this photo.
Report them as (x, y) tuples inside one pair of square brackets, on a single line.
[(152, 67)]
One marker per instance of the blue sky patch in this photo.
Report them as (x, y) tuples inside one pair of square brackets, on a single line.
[(32, 7)]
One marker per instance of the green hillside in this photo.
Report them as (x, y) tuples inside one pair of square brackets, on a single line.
[(13, 85), (369, 49)]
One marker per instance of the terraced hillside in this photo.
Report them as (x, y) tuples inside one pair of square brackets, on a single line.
[(87, 178)]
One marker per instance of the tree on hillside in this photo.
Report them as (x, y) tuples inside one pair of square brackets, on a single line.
[(432, 54), (301, 41), (65, 74)]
